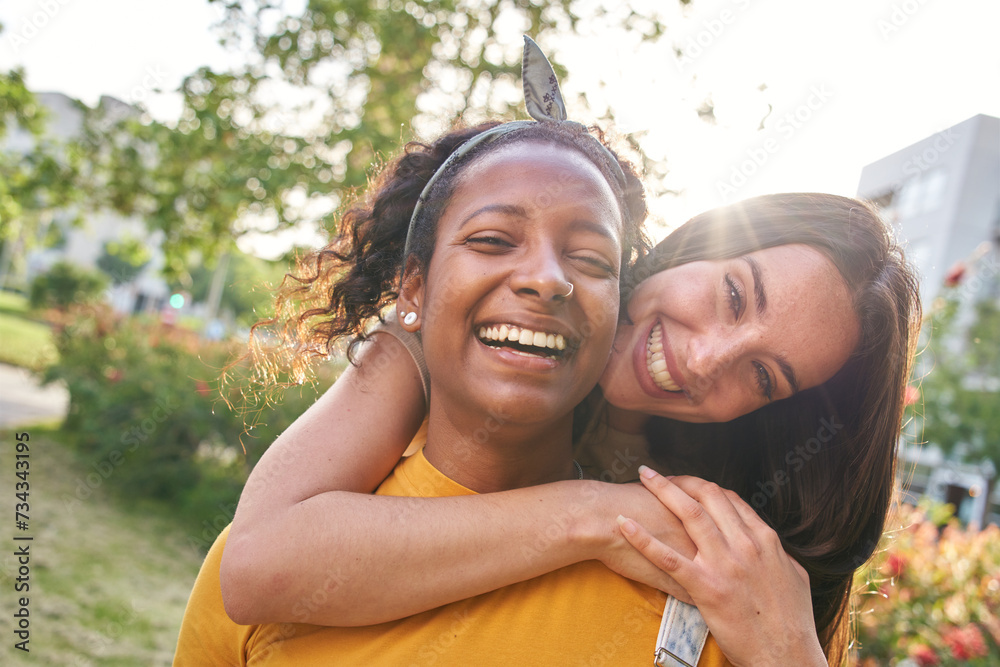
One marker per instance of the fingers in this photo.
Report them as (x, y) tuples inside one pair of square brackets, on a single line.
[(656, 552), (703, 507)]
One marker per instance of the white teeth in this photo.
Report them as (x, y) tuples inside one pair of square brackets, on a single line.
[(656, 363), (520, 336)]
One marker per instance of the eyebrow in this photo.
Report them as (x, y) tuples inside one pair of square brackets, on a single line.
[(506, 209), (760, 296)]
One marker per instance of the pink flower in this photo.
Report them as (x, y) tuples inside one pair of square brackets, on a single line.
[(966, 643), (954, 275), (895, 564), (924, 655), (911, 395)]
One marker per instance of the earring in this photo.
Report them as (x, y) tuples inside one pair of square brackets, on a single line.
[(409, 318)]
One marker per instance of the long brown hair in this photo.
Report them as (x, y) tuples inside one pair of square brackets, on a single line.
[(819, 467)]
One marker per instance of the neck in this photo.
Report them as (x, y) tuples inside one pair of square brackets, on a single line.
[(626, 421), (488, 453)]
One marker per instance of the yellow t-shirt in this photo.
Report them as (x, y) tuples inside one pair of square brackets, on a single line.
[(583, 614)]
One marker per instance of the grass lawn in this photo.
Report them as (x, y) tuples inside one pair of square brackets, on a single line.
[(108, 584), (23, 341)]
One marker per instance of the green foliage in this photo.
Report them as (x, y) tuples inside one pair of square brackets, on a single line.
[(123, 259), (17, 104), (366, 77), (65, 284), (960, 390), (932, 595), (247, 287), (32, 183), (146, 412)]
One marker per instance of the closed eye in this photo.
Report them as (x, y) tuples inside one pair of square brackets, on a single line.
[(601, 266), (488, 242)]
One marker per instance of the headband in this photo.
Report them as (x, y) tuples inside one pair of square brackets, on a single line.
[(544, 102)]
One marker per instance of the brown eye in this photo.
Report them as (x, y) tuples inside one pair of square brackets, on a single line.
[(764, 380), (735, 296)]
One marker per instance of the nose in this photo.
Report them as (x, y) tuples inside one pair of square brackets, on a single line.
[(712, 354), (541, 275)]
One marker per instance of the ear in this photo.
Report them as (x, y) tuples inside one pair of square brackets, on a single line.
[(411, 297)]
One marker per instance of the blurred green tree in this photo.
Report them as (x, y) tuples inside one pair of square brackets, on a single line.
[(123, 259), (246, 287), (327, 91), (961, 388), (34, 182), (66, 284)]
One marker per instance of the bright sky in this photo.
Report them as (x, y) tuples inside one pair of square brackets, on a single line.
[(849, 82)]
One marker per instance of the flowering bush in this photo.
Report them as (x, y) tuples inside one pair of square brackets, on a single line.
[(146, 415), (932, 597)]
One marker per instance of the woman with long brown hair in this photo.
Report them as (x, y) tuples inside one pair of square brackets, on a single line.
[(809, 396)]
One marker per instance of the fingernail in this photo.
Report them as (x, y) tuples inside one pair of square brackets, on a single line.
[(647, 472), (627, 525)]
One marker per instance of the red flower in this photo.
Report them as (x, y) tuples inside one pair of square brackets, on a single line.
[(954, 275), (895, 564), (966, 643), (924, 655)]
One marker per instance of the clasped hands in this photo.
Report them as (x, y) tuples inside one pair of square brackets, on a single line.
[(714, 551)]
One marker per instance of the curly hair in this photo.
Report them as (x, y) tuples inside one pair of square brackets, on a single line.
[(336, 292)]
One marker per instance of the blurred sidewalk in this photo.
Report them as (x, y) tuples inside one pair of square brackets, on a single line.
[(24, 402)]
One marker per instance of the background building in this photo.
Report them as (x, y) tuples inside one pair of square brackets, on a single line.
[(943, 196), (84, 245)]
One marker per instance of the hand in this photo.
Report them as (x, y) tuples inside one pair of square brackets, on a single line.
[(753, 596), (621, 557)]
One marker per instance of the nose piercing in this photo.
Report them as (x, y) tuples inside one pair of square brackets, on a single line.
[(569, 293)]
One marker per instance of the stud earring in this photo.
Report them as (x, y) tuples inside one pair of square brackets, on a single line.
[(409, 318)]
